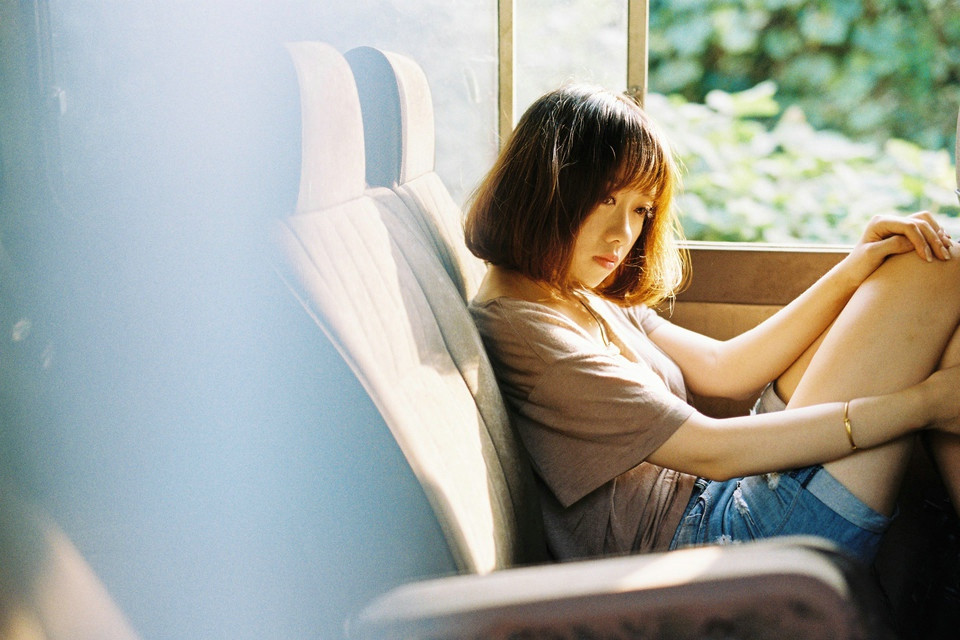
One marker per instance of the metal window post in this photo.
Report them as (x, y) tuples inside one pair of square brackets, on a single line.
[(505, 57), (638, 25), (638, 49)]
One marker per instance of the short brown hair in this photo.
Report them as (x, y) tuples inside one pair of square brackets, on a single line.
[(571, 149)]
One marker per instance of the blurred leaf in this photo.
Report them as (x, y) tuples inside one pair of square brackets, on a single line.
[(691, 36), (757, 102), (781, 44), (677, 74), (823, 26), (781, 4), (737, 30), (809, 71)]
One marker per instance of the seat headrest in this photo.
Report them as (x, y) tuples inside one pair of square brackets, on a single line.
[(397, 115), (332, 167)]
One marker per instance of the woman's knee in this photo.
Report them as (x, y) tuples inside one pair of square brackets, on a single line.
[(891, 334), (911, 276), (912, 266)]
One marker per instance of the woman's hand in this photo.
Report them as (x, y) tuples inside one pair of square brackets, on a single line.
[(886, 236)]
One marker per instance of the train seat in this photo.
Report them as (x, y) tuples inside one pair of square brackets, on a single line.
[(388, 305), (399, 139), (378, 289)]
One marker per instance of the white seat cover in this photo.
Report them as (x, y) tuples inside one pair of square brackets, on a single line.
[(387, 304)]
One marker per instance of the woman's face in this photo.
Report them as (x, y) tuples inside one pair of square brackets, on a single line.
[(607, 235)]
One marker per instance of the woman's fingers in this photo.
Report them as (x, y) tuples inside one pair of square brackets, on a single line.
[(921, 229), (893, 245), (909, 228), (918, 235), (934, 234)]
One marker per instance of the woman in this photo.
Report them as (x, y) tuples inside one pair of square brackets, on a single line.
[(575, 222)]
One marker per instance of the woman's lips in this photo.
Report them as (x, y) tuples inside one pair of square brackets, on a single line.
[(608, 261)]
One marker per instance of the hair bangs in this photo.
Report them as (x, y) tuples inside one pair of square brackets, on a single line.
[(645, 161)]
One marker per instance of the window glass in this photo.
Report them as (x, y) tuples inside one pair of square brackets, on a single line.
[(558, 43), (798, 119), (131, 67), (455, 42)]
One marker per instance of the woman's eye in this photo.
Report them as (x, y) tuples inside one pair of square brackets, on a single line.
[(609, 200), (646, 212)]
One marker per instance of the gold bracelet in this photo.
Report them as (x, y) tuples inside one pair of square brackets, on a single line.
[(848, 426)]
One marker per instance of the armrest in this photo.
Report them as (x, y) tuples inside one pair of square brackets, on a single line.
[(783, 588)]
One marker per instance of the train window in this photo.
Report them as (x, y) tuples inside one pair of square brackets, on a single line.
[(456, 44), (799, 120), (796, 120), (557, 43)]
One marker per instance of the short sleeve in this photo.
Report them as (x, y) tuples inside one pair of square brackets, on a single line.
[(645, 318), (605, 416)]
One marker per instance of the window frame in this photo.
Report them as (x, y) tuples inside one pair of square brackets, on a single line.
[(638, 58)]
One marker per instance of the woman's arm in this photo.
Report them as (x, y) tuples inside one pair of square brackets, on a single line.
[(740, 366), (720, 449)]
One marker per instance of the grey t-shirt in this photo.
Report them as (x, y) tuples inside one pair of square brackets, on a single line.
[(589, 416)]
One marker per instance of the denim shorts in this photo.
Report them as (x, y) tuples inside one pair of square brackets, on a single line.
[(807, 501)]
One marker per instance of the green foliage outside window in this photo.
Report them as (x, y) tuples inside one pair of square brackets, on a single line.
[(745, 180), (798, 120), (872, 69)]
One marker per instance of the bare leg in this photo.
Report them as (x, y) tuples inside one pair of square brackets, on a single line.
[(891, 334)]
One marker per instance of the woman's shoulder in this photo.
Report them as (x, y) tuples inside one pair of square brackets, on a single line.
[(530, 337), (639, 316), (507, 302), (530, 320)]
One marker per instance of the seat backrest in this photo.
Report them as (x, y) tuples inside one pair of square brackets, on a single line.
[(400, 144), (381, 295)]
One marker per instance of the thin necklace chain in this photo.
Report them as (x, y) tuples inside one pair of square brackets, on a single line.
[(596, 318), (593, 314)]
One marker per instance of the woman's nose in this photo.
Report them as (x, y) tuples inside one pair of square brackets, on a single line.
[(621, 228)]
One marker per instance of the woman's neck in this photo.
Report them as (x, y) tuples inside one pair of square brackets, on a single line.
[(500, 283)]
